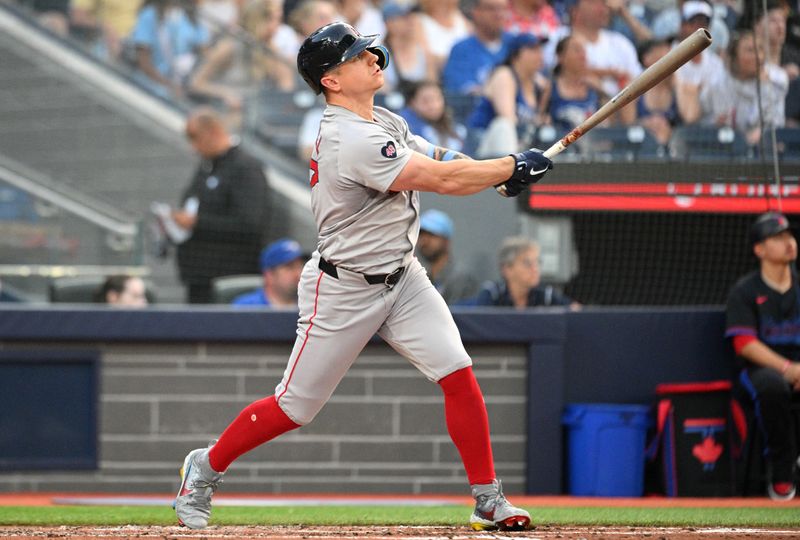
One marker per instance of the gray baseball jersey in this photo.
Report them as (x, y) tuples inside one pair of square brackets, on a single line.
[(364, 229), (361, 225)]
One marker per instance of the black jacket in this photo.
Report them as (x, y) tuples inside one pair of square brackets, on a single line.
[(232, 218)]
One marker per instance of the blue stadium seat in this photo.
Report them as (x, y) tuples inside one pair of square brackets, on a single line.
[(621, 143), (707, 143), (461, 105), (277, 116), (788, 143)]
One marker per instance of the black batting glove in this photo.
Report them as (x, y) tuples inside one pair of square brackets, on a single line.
[(529, 167)]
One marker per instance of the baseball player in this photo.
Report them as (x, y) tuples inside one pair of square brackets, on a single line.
[(366, 171), (763, 322)]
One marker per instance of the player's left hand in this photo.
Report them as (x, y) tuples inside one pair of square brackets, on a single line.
[(529, 167)]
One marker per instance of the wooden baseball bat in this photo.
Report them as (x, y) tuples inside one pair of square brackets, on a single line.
[(682, 53)]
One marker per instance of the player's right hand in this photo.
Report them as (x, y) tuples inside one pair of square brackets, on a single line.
[(529, 167)]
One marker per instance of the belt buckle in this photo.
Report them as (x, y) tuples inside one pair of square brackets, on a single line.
[(390, 279)]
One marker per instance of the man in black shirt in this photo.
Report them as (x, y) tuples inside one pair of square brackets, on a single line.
[(225, 207), (763, 320)]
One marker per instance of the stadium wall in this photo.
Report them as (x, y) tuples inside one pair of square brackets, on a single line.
[(171, 379)]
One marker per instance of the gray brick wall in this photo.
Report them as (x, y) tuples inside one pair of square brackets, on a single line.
[(383, 431)]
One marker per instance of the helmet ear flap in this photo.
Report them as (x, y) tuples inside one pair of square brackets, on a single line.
[(383, 55)]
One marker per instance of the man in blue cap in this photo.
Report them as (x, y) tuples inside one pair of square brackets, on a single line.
[(281, 265), (433, 251)]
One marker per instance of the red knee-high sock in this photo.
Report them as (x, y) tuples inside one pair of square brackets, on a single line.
[(258, 423), (468, 424)]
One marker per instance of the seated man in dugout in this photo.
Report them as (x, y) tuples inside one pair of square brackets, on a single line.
[(763, 321)]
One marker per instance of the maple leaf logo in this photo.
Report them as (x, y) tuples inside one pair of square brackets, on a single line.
[(707, 452)]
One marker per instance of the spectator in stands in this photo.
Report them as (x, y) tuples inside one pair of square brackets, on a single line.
[(699, 13), (235, 68), (309, 131), (657, 110), (306, 17), (412, 60), (739, 100), (513, 99), (51, 14), (428, 116), (221, 16), (521, 285), (433, 251), (104, 23), (575, 93), (473, 58), (632, 19), (763, 321), (229, 195), (443, 25), (535, 17), (772, 24), (122, 291), (363, 16), (281, 264), (609, 55), (168, 39), (695, 80)]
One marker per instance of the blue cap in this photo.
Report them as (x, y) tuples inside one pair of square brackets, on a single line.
[(436, 222), (280, 252), (392, 9), (525, 39)]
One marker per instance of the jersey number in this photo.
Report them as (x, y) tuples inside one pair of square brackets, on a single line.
[(313, 172)]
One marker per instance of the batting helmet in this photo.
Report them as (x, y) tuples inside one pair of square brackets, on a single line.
[(332, 45)]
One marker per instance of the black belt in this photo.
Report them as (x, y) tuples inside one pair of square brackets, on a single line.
[(389, 279)]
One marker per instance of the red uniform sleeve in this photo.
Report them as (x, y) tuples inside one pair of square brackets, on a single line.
[(739, 342)]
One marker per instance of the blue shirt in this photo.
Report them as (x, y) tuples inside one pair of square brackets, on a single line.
[(252, 298), (418, 126), (568, 113), (470, 63), (168, 39), (484, 111)]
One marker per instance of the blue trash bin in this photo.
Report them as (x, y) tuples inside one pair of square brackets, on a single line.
[(606, 446)]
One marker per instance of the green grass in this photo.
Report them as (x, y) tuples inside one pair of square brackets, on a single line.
[(400, 515)]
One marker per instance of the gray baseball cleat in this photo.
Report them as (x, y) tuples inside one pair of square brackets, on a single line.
[(493, 511), (198, 483)]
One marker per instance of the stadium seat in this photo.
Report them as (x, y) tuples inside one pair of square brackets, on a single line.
[(461, 105), (621, 143), (74, 290), (545, 136), (707, 143), (224, 289), (788, 143), (82, 289), (276, 116)]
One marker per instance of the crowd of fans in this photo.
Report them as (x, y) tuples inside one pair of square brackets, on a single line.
[(527, 63)]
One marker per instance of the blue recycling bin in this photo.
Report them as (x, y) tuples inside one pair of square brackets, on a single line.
[(606, 449)]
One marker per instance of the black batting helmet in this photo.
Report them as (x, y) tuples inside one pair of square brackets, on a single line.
[(331, 45)]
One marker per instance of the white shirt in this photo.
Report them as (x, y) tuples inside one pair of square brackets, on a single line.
[(611, 50), (440, 38)]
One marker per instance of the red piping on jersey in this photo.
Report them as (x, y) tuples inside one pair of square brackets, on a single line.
[(303, 346), (740, 342)]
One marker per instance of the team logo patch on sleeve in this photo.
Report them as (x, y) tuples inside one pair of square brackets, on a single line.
[(389, 150)]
